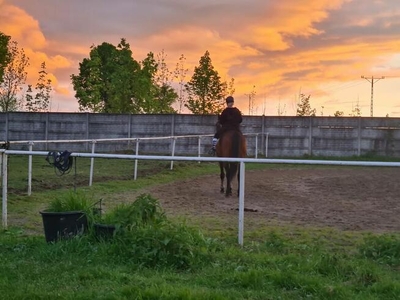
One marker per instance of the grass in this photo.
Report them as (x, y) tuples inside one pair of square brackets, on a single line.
[(280, 266), (177, 259)]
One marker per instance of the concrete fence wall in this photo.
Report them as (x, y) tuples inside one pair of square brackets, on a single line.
[(285, 136)]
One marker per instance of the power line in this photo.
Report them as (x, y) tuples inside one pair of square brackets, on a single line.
[(372, 80), (335, 88)]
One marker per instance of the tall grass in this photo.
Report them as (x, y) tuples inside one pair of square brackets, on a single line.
[(176, 262)]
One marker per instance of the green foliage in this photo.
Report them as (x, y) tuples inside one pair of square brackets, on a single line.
[(144, 210), (383, 249), (205, 89), (304, 107), (180, 74), (143, 234), (171, 260), (174, 261), (71, 201), (338, 113), (160, 245), (14, 78), (111, 81), (4, 55), (106, 79), (41, 101)]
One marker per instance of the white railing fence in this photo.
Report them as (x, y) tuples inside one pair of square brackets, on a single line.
[(129, 140), (4, 154)]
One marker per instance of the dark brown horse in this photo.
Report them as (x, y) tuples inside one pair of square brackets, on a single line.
[(232, 143)]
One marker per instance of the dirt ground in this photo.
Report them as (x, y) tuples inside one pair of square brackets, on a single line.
[(346, 198)]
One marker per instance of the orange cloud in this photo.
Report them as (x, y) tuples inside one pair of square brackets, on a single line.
[(21, 27), (24, 29)]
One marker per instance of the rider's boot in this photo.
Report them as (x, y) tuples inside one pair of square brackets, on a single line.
[(214, 144)]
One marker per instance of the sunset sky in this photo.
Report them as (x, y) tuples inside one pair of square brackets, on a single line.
[(316, 47)]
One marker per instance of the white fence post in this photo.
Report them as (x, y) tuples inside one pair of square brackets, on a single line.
[(173, 151), (4, 193), (199, 146), (241, 203), (92, 163), (256, 154), (136, 161), (30, 169), (266, 144)]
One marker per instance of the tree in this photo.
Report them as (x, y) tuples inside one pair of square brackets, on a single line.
[(41, 101), (111, 81), (4, 55), (180, 74), (165, 95), (356, 111), (339, 113), (251, 96), (14, 78), (304, 107), (205, 89), (107, 80), (230, 91), (281, 109)]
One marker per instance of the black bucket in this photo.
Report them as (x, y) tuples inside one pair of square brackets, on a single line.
[(63, 225), (103, 231)]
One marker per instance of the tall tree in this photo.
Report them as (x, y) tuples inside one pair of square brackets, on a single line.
[(145, 84), (205, 89), (14, 78), (41, 101), (231, 87), (304, 107), (180, 74), (165, 95), (4, 55), (105, 82)]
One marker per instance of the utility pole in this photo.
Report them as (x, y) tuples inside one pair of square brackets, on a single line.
[(372, 80)]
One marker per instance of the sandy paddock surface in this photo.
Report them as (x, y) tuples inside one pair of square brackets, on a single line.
[(346, 198)]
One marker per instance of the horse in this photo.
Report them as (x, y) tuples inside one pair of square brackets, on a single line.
[(232, 143)]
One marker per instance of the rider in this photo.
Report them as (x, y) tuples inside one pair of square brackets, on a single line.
[(230, 118)]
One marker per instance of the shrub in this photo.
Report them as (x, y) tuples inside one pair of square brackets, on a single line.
[(70, 201)]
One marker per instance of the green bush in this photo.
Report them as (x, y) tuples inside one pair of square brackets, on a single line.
[(145, 236), (144, 210), (70, 201)]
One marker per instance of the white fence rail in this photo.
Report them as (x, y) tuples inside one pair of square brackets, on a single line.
[(135, 140), (242, 161)]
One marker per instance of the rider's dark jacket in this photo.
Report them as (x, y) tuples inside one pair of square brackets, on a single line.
[(230, 118)]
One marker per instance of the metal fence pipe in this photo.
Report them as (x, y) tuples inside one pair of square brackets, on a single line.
[(136, 161), (30, 169), (92, 163)]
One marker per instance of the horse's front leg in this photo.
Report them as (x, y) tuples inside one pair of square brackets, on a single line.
[(228, 188), (222, 176)]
